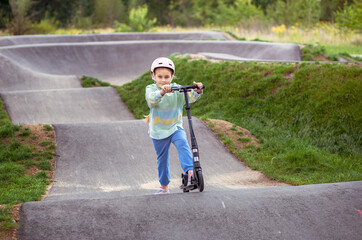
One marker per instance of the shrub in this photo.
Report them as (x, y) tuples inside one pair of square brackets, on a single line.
[(138, 21), (350, 18), (21, 21), (108, 11), (45, 26)]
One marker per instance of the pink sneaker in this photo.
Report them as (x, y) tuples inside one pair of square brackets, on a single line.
[(162, 190)]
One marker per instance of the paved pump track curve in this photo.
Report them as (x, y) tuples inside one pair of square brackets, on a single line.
[(106, 170)]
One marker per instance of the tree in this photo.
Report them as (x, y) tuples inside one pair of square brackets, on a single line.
[(329, 8), (62, 11), (289, 12), (241, 12), (20, 23), (263, 4), (350, 18), (180, 13), (109, 11), (5, 12), (138, 21), (159, 9), (203, 11), (279, 12), (308, 11)]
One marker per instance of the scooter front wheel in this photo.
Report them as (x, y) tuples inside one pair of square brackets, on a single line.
[(200, 180)]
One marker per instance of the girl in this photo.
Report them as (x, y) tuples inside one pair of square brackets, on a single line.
[(165, 120)]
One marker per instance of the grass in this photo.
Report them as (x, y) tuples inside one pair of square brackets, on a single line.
[(350, 49), (306, 115), (25, 165), (315, 52), (324, 34), (88, 82)]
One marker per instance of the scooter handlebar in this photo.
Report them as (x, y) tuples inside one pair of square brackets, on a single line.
[(186, 88)]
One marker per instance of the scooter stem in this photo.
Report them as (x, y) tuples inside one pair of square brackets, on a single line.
[(194, 147)]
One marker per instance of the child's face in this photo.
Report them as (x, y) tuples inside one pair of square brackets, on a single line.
[(163, 76)]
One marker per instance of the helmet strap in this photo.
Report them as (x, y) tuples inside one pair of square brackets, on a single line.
[(153, 76)]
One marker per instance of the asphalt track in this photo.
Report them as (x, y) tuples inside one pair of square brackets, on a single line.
[(65, 106), (122, 61), (106, 170), (34, 39)]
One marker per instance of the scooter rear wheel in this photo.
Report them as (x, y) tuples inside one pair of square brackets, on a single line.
[(200, 178)]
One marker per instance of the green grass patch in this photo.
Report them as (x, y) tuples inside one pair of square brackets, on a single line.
[(88, 82), (47, 127), (350, 49), (45, 143), (6, 221), (306, 115), (320, 53), (19, 181), (244, 139)]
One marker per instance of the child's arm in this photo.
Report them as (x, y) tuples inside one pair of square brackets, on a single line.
[(195, 94), (153, 97), (200, 85)]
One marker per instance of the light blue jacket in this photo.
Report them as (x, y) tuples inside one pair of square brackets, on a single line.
[(166, 111)]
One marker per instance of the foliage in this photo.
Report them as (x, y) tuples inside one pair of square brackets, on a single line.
[(88, 82), (138, 21), (162, 10), (80, 20), (5, 13), (179, 14), (316, 52), (17, 184), (203, 11), (329, 8), (87, 14), (21, 22), (62, 11), (45, 26), (263, 4), (306, 115), (290, 12), (239, 13), (308, 12), (350, 18), (109, 11)]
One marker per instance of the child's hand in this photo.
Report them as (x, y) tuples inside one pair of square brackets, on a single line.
[(165, 89), (199, 85)]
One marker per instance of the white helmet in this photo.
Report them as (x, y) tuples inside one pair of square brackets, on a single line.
[(162, 62)]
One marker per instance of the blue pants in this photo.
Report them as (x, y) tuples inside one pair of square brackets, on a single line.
[(162, 147)]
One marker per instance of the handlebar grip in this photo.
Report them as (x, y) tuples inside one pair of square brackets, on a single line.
[(185, 88)]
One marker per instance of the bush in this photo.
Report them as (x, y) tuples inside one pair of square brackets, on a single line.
[(108, 11), (138, 21), (350, 18), (241, 12), (20, 23), (45, 26), (79, 21), (289, 12)]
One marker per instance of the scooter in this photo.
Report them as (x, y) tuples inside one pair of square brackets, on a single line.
[(197, 181)]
